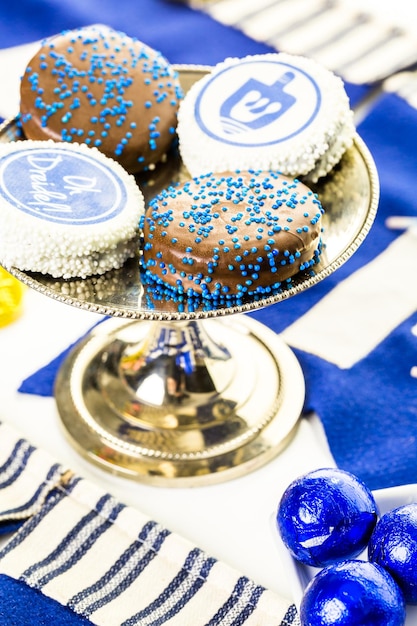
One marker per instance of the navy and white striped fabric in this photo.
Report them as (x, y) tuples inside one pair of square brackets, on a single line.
[(357, 43), (82, 555), (26, 478)]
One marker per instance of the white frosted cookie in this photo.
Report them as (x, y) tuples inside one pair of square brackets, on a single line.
[(271, 112), (66, 209)]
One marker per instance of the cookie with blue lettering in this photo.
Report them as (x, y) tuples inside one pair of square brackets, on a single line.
[(232, 234), (65, 209), (268, 111), (98, 86)]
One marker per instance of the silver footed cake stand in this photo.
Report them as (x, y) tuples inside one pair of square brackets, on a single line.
[(178, 392)]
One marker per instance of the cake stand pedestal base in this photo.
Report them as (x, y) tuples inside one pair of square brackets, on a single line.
[(180, 403)]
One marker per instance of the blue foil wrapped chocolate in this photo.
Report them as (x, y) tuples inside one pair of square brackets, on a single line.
[(352, 593), (325, 516)]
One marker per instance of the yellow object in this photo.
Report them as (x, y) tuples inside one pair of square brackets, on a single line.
[(11, 297)]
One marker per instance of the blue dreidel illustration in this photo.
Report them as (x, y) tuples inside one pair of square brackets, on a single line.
[(255, 104)]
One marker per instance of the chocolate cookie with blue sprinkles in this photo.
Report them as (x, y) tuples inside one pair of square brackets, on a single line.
[(229, 236), (98, 86)]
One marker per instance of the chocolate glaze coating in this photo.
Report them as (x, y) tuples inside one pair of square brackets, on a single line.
[(232, 233), (98, 86)]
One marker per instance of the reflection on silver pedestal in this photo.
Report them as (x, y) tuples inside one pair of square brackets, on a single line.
[(194, 401), (193, 395)]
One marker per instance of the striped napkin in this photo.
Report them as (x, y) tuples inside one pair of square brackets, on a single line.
[(77, 556), (357, 40)]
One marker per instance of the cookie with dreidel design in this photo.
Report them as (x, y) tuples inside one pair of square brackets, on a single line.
[(269, 111)]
